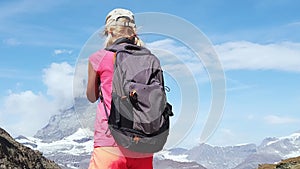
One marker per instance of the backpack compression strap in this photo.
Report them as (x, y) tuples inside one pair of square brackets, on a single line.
[(104, 105)]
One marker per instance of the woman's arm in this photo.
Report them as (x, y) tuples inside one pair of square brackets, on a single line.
[(92, 91)]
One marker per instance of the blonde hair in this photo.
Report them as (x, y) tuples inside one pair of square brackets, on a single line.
[(114, 32)]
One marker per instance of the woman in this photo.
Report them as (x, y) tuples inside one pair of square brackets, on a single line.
[(119, 25)]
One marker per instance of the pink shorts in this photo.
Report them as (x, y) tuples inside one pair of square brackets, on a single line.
[(113, 158)]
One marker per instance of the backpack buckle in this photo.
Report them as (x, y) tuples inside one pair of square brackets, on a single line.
[(136, 139)]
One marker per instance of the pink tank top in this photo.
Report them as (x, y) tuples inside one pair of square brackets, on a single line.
[(102, 63)]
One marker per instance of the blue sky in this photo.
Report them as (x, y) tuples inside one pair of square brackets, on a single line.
[(258, 43)]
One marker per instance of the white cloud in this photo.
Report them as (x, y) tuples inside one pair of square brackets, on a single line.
[(176, 59), (250, 116), (284, 56), (292, 24), (11, 42), (172, 51), (22, 112), (273, 119), (27, 111), (238, 55), (80, 78), (59, 80), (31, 33), (217, 138), (62, 51), (235, 85), (14, 8), (177, 70)]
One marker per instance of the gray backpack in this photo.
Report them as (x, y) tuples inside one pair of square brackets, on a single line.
[(139, 115)]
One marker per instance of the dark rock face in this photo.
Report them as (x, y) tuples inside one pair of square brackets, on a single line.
[(14, 155)]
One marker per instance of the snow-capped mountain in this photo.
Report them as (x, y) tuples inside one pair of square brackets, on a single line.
[(272, 150), (68, 137), (68, 140), (76, 144), (67, 122), (70, 152), (247, 156), (285, 147), (74, 152), (214, 157)]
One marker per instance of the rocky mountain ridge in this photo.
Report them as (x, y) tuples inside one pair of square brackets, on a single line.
[(14, 155), (291, 163)]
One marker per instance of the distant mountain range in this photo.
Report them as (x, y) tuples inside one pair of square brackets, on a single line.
[(67, 139)]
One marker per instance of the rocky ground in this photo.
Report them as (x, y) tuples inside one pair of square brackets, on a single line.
[(291, 163), (14, 155)]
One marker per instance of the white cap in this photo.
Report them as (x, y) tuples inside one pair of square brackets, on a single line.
[(114, 15)]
